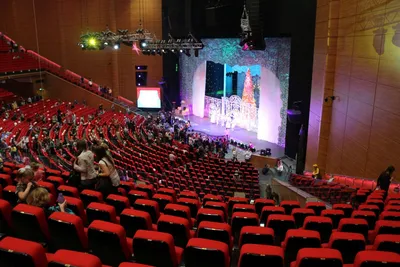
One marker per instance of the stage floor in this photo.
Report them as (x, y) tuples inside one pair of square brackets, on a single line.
[(204, 125)]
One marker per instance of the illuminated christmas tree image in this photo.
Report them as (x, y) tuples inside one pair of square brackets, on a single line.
[(248, 90)]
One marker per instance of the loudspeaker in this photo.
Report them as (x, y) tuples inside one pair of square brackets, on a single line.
[(295, 116)]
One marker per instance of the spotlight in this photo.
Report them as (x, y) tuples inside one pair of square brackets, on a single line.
[(143, 43), (116, 46), (181, 51), (92, 41), (105, 43)]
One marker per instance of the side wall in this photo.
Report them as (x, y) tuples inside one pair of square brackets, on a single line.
[(356, 58), (60, 23)]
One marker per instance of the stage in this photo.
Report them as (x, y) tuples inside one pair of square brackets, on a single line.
[(203, 125)]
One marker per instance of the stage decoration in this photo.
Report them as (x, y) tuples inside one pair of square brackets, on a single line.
[(270, 88), (136, 48), (248, 92)]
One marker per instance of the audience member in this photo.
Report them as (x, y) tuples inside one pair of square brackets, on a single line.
[(25, 183), (386, 178), (84, 164), (108, 175), (40, 197)]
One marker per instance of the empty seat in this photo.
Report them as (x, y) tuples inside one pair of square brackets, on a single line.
[(102, 212), (76, 205), (369, 216), (5, 180), (323, 225), (89, 196), (300, 214), (156, 249), (133, 220), (387, 207), (236, 200), (5, 218), (377, 259), (108, 242), (252, 255), (29, 223), (335, 215), (218, 206), (202, 252), (149, 206), (17, 252), (67, 232), (241, 219), (268, 210), (376, 202), (384, 242), (317, 207), (210, 215), (179, 211), (127, 186), (118, 202), (385, 227), (280, 224), (148, 188), (297, 239), (260, 203), (68, 191), (289, 205), (9, 194), (215, 231), (73, 258), (390, 216), (163, 200), (243, 208), (351, 225), (193, 204), (315, 257), (188, 194), (346, 208), (55, 180), (373, 208), (167, 191), (177, 227), (211, 197), (349, 244), (256, 235), (133, 195)]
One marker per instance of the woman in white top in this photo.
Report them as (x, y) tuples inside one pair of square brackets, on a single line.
[(108, 176)]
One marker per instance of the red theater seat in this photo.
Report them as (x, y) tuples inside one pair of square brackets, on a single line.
[(373, 208), (68, 191), (346, 208), (377, 259), (5, 180), (260, 203), (163, 200), (193, 204), (73, 258), (76, 205), (334, 215), (55, 180), (133, 195), (289, 205), (18, 252), (169, 192), (389, 243), (376, 202), (348, 244), (243, 208), (218, 206), (297, 239), (387, 208), (129, 264), (108, 242), (211, 197), (102, 212), (236, 200), (30, 223), (67, 232), (188, 194), (177, 227), (9, 194), (280, 224), (300, 214), (134, 220), (354, 226), (210, 215), (256, 235), (384, 227), (216, 231), (267, 211), (241, 219), (179, 211), (390, 216), (5, 217), (252, 255), (317, 207), (89, 196), (49, 187), (307, 257), (323, 225), (148, 188), (118, 202), (149, 206), (203, 252), (146, 243)]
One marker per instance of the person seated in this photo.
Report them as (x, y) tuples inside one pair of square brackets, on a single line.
[(265, 170), (316, 174), (25, 183), (40, 197), (38, 174)]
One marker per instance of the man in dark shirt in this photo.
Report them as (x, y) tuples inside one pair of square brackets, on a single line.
[(386, 178)]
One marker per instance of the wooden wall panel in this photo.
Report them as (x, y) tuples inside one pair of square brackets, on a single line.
[(365, 122), (61, 22)]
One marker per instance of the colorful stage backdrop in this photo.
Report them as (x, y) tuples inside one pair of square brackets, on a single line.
[(251, 88)]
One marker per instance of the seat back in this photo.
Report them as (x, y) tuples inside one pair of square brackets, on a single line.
[(202, 252), (260, 255), (241, 219), (349, 244), (193, 204), (177, 227), (389, 243), (102, 212), (215, 231), (346, 208), (300, 215), (17, 252), (118, 202), (64, 258), (108, 242), (317, 207), (268, 210), (377, 259), (260, 203), (30, 223), (149, 206), (145, 243), (134, 220), (5, 217), (316, 257), (76, 205), (323, 225), (256, 235), (210, 215), (369, 216), (354, 226), (133, 195), (297, 239), (280, 224), (390, 216), (289, 205), (89, 196), (163, 200), (177, 210), (387, 227), (335, 215)]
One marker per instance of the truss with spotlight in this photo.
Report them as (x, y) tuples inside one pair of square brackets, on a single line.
[(148, 43)]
